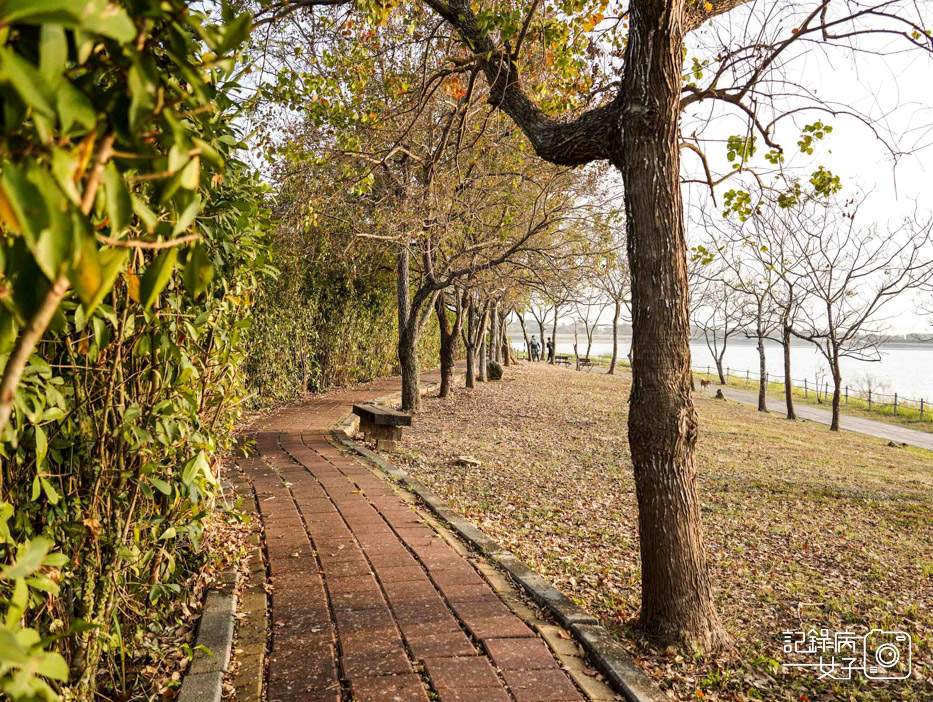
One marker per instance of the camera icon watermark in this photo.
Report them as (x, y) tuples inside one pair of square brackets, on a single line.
[(882, 651), (877, 655)]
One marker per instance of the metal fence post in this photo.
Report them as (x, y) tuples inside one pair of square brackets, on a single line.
[(805, 391), (921, 409), (847, 395), (869, 399), (747, 376), (895, 404)]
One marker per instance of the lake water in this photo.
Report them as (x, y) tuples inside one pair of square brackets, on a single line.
[(906, 369)]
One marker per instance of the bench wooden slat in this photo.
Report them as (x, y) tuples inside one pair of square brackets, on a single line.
[(383, 416)]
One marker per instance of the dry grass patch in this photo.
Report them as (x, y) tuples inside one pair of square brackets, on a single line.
[(793, 514)]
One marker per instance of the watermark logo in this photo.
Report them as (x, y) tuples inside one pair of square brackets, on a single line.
[(877, 655)]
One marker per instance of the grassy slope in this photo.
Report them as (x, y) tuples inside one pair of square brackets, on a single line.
[(793, 514)]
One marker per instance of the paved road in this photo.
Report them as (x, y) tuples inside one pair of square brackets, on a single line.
[(368, 601), (882, 430)]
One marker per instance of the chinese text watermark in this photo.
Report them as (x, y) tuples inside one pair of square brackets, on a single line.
[(840, 655)]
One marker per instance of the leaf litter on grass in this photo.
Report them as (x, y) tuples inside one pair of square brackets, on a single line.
[(803, 527)]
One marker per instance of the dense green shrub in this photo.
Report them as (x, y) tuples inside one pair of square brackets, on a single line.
[(317, 328), (128, 218)]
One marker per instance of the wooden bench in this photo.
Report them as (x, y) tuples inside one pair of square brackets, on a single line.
[(586, 363), (562, 359), (382, 425)]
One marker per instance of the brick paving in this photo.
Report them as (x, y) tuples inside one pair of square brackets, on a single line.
[(369, 603)]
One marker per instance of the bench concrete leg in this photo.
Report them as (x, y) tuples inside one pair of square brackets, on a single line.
[(387, 437)]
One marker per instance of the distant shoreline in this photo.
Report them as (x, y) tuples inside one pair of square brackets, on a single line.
[(565, 337)]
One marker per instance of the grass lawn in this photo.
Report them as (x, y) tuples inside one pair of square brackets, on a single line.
[(804, 528)]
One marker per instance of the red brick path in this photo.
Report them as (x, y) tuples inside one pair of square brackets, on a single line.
[(369, 603)]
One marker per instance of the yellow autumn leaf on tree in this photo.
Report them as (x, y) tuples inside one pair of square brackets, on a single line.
[(132, 286)]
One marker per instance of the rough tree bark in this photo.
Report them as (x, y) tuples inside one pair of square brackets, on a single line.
[(615, 338), (407, 341), (450, 336), (505, 349), (412, 315), (677, 593), (553, 357)]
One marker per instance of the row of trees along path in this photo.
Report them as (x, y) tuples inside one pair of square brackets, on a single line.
[(616, 95)]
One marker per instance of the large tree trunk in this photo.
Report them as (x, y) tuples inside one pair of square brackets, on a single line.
[(494, 332), (553, 356), (677, 594), (411, 371), (788, 382), (615, 338)]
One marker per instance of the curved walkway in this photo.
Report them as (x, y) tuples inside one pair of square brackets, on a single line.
[(368, 601), (881, 430)]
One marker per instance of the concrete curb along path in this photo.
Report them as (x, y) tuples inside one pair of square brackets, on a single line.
[(603, 648), (213, 643)]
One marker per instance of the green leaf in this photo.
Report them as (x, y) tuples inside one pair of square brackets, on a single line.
[(168, 534), (190, 177), (119, 205), (109, 20), (50, 492), (157, 276), (142, 92), (161, 485), (148, 217), (188, 216), (12, 652), (55, 248), (28, 559), (196, 465), (8, 330), (26, 80), (74, 108), (26, 202), (52, 665), (42, 446), (85, 274), (198, 271), (111, 262), (235, 33), (53, 52)]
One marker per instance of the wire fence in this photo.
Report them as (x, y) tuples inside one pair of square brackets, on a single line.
[(818, 389)]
